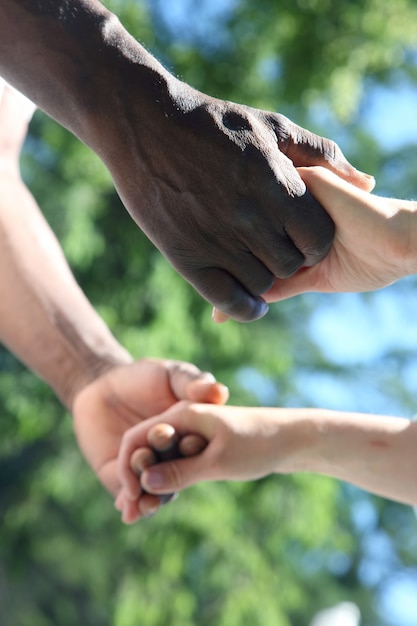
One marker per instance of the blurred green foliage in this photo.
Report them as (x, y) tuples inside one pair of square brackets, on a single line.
[(269, 553)]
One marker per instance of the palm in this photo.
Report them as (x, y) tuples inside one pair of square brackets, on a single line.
[(124, 397)]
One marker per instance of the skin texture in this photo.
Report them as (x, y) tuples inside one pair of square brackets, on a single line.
[(123, 398), (375, 244), (376, 453), (45, 318), (212, 183), (169, 447), (49, 324)]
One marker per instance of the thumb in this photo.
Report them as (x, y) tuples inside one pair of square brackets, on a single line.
[(204, 391), (188, 382), (307, 279), (172, 476), (307, 149), (345, 203)]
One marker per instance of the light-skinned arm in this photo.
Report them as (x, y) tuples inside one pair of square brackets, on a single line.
[(374, 452), (48, 323), (212, 183), (45, 318)]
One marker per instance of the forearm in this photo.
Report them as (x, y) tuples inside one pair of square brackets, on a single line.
[(75, 61), (45, 319), (376, 453)]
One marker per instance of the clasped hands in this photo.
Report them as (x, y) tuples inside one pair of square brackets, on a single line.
[(375, 244), (124, 397)]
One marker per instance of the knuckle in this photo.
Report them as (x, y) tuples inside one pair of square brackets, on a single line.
[(283, 129), (316, 248), (331, 151), (288, 266), (236, 119), (182, 370)]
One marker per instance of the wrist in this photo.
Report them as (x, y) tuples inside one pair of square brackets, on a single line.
[(411, 265), (402, 237), (94, 365), (128, 93), (296, 440)]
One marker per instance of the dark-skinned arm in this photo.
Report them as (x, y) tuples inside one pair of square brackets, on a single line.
[(212, 183)]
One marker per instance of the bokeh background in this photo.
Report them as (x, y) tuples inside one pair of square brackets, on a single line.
[(274, 552)]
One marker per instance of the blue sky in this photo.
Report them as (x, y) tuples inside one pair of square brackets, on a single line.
[(357, 331), (392, 115)]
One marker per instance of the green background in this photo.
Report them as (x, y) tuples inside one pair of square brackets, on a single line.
[(269, 553)]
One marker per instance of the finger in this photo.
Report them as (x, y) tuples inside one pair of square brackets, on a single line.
[(164, 441), (139, 460), (307, 226), (297, 231), (307, 279), (142, 458), (129, 510), (224, 292), (311, 229), (218, 317), (146, 506), (191, 445), (205, 393), (277, 248), (131, 461), (183, 421), (306, 149), (245, 266), (331, 191), (145, 457), (168, 445), (173, 476), (187, 382), (149, 504)]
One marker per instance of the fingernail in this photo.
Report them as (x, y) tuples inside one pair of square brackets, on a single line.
[(206, 377), (218, 317), (369, 181), (125, 519), (368, 176), (133, 494), (203, 386), (153, 479), (262, 309), (150, 512)]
